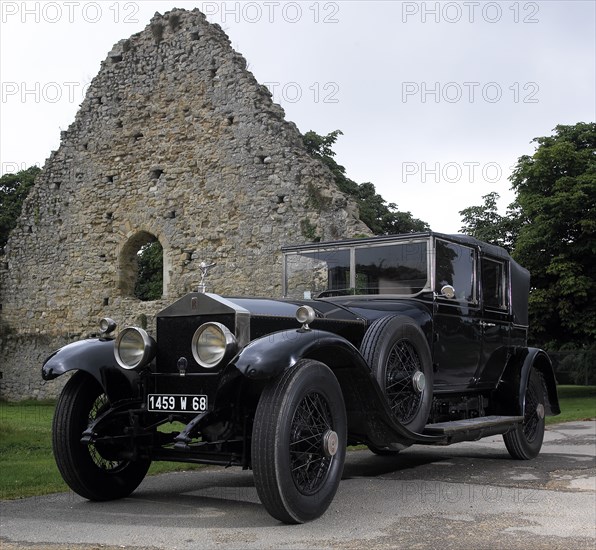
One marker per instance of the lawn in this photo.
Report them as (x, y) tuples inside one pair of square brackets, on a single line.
[(27, 465), (577, 403)]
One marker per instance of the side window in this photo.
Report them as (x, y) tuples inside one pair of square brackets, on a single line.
[(455, 266), (399, 268), (494, 284)]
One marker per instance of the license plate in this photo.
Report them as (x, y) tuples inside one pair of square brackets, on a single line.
[(176, 403)]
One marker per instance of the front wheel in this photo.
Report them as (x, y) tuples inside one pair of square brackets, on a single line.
[(299, 442), (525, 440), (91, 471)]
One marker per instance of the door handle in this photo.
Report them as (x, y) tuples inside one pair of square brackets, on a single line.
[(484, 324)]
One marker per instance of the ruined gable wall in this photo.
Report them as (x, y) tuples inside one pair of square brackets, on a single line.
[(174, 139)]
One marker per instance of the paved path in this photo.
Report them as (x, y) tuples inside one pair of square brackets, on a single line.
[(469, 495)]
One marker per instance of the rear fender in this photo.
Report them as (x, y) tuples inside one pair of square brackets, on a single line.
[(369, 416), (94, 356), (509, 396)]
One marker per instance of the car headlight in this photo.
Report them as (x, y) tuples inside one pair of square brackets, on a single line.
[(211, 343), (134, 348)]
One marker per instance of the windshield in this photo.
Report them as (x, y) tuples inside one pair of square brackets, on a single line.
[(396, 268)]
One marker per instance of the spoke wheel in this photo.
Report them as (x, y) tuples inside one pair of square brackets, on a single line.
[(299, 442), (93, 471), (310, 425), (398, 354), (403, 366), (525, 441)]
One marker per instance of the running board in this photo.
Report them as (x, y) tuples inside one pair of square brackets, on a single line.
[(471, 429)]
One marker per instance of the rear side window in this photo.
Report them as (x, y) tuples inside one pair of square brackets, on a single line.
[(494, 284), (455, 266)]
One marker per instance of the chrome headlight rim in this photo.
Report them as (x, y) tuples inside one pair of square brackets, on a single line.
[(211, 350), (134, 348)]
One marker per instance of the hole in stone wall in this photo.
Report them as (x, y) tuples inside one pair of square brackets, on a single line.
[(137, 136), (213, 73), (109, 179), (118, 124), (106, 302), (230, 120), (194, 35), (262, 158), (156, 173), (85, 146), (281, 199), (141, 266)]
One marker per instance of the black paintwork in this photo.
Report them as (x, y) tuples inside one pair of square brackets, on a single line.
[(481, 362)]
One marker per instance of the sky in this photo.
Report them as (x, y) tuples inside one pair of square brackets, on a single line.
[(436, 100)]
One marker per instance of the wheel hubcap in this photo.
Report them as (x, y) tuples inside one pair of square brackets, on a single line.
[(419, 381), (330, 443)]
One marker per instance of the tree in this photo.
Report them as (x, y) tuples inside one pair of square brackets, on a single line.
[(485, 223), (381, 217), (149, 285), (550, 229), (556, 193), (14, 189)]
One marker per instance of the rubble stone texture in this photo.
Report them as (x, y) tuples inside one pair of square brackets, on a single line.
[(175, 140)]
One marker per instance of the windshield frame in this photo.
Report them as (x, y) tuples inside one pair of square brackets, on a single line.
[(351, 246)]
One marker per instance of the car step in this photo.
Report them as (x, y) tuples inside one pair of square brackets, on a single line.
[(472, 428)]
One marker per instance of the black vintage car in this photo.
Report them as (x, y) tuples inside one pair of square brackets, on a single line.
[(386, 342)]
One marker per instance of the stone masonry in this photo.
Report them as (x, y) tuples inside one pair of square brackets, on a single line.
[(175, 140)]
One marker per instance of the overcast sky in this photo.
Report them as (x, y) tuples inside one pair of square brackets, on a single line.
[(436, 100)]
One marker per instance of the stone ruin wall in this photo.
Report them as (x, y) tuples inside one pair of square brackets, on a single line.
[(175, 140)]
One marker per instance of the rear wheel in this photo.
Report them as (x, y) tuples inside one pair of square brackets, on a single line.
[(525, 440), (299, 442), (93, 472), (396, 350)]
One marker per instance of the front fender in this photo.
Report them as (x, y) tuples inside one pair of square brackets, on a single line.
[(270, 355), (96, 357)]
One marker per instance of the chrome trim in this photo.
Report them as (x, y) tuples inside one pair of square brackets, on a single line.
[(148, 352)]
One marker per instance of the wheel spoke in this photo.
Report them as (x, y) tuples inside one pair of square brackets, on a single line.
[(403, 363), (309, 465), (100, 405)]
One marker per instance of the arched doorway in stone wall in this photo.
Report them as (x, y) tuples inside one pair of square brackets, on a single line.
[(142, 271)]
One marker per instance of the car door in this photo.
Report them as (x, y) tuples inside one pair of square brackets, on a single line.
[(495, 320), (456, 319)]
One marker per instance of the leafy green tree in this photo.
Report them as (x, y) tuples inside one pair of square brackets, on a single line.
[(381, 217), (149, 285), (550, 229), (556, 192), (14, 189), (485, 223)]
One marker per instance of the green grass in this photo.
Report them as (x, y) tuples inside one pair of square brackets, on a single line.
[(27, 465), (577, 403)]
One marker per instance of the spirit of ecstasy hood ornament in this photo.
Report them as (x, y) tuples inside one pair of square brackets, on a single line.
[(204, 267)]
